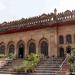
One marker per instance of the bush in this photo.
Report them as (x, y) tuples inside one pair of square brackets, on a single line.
[(31, 62), (11, 56), (2, 56), (71, 60)]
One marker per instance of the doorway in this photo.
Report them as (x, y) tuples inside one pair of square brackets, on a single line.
[(44, 48), (61, 52), (21, 51)]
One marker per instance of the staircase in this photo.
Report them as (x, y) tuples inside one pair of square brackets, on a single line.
[(8, 67), (48, 66)]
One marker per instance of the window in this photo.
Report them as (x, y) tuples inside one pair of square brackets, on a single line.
[(11, 48), (2, 49), (69, 39), (61, 39)]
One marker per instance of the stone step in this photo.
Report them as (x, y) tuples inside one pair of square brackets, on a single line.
[(45, 73), (48, 66), (45, 70), (8, 67)]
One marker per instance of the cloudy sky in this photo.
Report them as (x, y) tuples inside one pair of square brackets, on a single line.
[(17, 9)]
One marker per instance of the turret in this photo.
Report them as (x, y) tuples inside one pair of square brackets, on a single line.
[(55, 11)]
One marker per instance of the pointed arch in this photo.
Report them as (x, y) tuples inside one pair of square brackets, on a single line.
[(2, 48), (31, 46), (44, 46), (21, 48), (11, 47)]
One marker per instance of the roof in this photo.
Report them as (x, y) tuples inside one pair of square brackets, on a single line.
[(45, 20)]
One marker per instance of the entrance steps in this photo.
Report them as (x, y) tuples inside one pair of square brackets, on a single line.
[(48, 66), (8, 67)]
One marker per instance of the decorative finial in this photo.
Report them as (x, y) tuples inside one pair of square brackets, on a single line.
[(55, 11)]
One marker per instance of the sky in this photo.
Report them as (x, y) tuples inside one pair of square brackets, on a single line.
[(16, 9)]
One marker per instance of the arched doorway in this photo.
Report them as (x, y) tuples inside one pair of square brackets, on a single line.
[(11, 48), (61, 52), (21, 49), (2, 48), (44, 48), (68, 49), (32, 48)]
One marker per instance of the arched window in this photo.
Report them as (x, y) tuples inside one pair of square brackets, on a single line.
[(32, 48), (61, 39), (2, 49), (69, 39), (11, 48)]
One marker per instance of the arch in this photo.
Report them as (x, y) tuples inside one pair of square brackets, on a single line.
[(68, 49), (44, 46), (11, 47), (21, 49), (74, 38), (2, 48), (31, 46), (61, 39), (68, 39), (61, 52)]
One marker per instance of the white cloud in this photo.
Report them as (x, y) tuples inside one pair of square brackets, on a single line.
[(2, 6)]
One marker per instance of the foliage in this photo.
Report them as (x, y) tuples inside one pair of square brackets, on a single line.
[(2, 56), (11, 56), (71, 60), (29, 64)]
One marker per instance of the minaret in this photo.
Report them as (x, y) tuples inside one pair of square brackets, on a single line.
[(55, 11)]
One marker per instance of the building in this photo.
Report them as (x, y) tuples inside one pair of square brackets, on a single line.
[(49, 34)]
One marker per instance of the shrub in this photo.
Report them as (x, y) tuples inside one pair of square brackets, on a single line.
[(31, 62), (11, 56), (71, 60), (2, 56)]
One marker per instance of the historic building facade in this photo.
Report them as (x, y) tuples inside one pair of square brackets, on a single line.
[(49, 34)]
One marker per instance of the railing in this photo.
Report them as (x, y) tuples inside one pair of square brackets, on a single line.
[(61, 66)]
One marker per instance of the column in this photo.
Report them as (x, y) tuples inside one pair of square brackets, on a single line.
[(6, 50), (26, 50)]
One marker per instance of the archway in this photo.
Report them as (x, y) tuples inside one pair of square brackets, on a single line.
[(2, 48), (44, 48), (11, 47), (32, 48), (68, 49), (61, 52), (21, 49)]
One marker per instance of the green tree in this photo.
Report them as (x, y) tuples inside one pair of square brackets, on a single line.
[(71, 60)]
